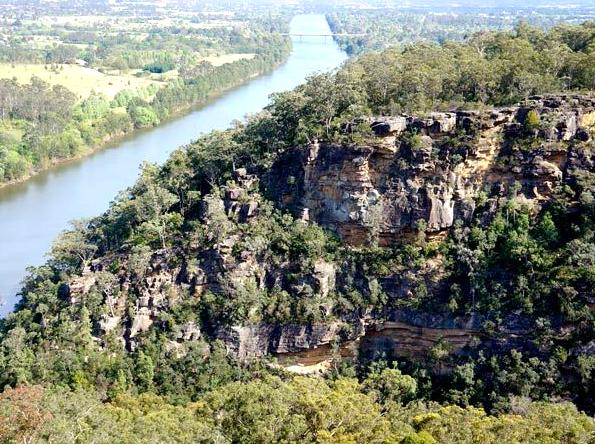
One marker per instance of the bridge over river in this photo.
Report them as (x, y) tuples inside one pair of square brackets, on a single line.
[(325, 35)]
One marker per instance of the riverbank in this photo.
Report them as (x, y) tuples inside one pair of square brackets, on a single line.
[(116, 138), (170, 114), (34, 212)]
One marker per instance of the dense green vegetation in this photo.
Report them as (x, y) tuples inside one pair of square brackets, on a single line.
[(534, 267), (41, 124), (119, 39), (488, 68), (269, 409), (384, 26)]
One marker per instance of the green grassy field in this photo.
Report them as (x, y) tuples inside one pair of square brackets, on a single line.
[(84, 81), (80, 80), (227, 58)]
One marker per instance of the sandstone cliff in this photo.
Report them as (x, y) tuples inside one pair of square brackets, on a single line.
[(416, 173), (384, 189)]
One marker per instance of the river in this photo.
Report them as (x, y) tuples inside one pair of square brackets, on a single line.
[(33, 213)]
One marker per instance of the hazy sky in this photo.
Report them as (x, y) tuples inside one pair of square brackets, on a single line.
[(487, 3)]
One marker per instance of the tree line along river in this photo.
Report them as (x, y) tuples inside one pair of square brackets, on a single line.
[(33, 213)]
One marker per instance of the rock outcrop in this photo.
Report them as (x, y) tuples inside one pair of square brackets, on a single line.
[(430, 170), (252, 341), (414, 174)]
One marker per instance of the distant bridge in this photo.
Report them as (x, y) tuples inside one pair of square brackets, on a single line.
[(292, 34)]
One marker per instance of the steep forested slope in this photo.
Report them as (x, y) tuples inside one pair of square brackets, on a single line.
[(443, 256)]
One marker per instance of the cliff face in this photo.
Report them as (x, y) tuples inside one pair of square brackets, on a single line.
[(416, 172), (260, 340), (383, 190)]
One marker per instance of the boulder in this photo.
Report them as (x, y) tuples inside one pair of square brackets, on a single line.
[(385, 126), (324, 275), (253, 341), (188, 331), (141, 322)]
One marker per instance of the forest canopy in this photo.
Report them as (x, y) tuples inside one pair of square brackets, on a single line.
[(133, 328)]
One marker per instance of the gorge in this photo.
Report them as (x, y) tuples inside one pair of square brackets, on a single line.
[(401, 250), (378, 193)]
